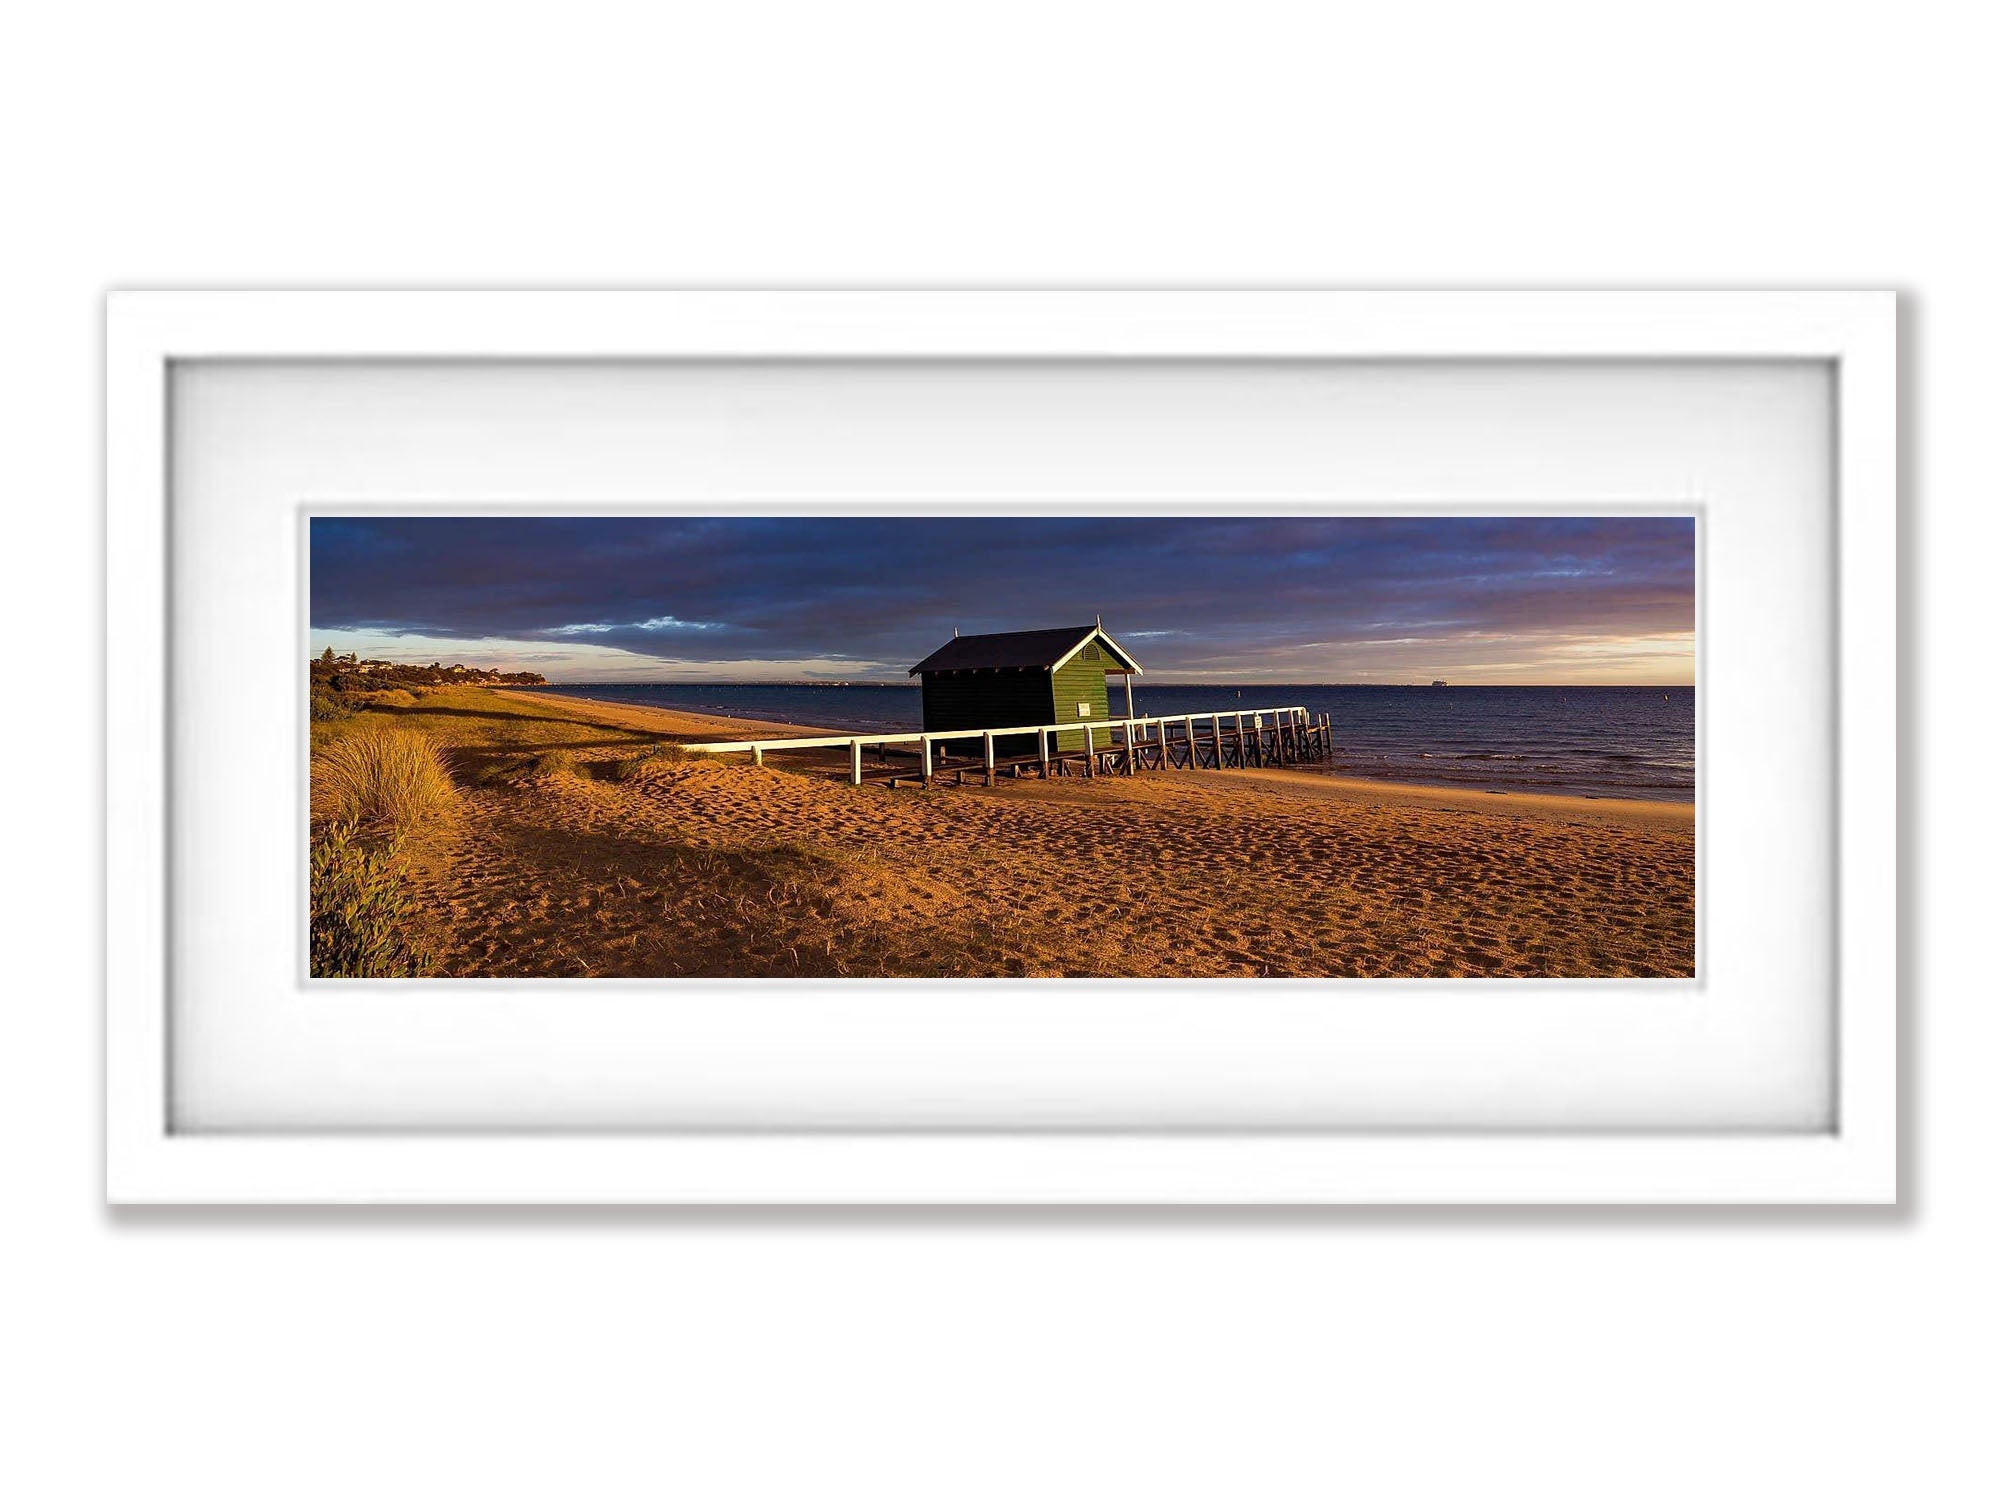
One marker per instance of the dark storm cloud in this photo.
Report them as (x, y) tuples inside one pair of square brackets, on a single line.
[(1202, 595)]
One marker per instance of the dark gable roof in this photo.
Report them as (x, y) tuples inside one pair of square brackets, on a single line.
[(1012, 649)]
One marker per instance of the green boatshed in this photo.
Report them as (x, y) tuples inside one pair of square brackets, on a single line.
[(1014, 677)]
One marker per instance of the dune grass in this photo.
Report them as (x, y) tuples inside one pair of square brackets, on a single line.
[(653, 755), (378, 777), (372, 786), (552, 763)]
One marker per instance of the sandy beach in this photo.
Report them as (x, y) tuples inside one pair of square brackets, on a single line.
[(571, 851)]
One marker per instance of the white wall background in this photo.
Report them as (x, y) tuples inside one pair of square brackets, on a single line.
[(1446, 1353)]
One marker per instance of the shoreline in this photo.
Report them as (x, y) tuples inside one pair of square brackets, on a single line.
[(1329, 786), (1334, 786)]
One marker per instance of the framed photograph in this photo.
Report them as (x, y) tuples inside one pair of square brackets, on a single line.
[(1001, 747)]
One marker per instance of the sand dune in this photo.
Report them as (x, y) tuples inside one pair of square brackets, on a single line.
[(699, 867)]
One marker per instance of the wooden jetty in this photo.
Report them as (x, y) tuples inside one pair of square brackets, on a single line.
[(975, 681), (1236, 739)]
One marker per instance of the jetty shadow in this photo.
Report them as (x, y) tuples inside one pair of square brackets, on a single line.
[(422, 708)]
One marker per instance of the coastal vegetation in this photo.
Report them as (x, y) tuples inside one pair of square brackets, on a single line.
[(341, 685), (380, 777), (576, 837), (374, 787), (372, 791), (365, 922), (350, 674)]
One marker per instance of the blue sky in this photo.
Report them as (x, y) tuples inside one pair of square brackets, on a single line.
[(1196, 599)]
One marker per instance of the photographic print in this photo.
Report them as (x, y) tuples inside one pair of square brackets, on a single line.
[(992, 746)]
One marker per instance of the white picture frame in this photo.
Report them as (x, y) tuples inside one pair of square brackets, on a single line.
[(1852, 1160)]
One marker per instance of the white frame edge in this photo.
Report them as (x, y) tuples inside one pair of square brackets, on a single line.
[(147, 1164)]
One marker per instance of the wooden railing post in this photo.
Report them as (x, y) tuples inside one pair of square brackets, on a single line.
[(927, 759), (857, 763), (757, 755), (1089, 751), (988, 739), (1042, 739)]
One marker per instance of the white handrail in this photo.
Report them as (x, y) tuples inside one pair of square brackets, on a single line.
[(853, 743), (912, 736)]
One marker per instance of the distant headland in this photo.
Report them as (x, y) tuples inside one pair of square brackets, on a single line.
[(343, 683)]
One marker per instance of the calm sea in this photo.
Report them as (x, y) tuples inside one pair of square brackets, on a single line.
[(1592, 741)]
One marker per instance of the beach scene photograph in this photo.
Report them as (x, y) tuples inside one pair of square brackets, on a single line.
[(989, 746)]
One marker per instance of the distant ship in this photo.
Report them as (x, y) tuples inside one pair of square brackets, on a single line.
[(1439, 682)]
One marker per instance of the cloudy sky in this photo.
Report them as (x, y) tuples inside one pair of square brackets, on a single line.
[(1227, 599)]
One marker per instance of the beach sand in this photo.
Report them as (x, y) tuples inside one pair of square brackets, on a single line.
[(717, 868)]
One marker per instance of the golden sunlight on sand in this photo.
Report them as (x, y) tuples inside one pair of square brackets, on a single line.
[(574, 852)]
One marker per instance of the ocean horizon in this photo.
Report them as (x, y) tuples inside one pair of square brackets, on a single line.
[(1592, 741)]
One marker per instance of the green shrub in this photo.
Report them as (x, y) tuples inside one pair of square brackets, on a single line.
[(380, 777), (327, 705), (362, 912)]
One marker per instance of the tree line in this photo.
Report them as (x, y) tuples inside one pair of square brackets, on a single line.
[(349, 674)]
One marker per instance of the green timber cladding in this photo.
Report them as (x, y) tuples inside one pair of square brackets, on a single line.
[(1080, 683), (1023, 677)]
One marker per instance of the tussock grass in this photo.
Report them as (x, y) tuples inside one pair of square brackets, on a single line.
[(553, 763), (652, 755), (380, 777)]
